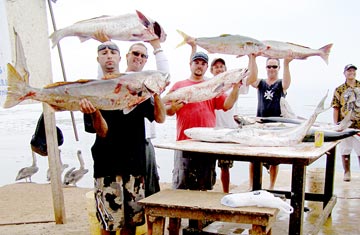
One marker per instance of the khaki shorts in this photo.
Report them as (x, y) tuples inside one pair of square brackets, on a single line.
[(347, 145), (116, 202)]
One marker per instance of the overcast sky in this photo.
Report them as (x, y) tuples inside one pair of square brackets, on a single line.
[(307, 22)]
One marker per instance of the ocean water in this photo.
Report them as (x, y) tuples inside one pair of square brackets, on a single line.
[(18, 124)]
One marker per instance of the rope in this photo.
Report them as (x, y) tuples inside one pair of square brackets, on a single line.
[(62, 67)]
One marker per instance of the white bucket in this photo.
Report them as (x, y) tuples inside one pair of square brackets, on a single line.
[(316, 180)]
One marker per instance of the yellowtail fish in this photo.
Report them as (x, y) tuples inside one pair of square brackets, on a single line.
[(128, 27), (123, 92), (208, 89), (281, 50), (227, 44)]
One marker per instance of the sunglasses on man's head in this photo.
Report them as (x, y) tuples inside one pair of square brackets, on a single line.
[(272, 66), (109, 46), (135, 53)]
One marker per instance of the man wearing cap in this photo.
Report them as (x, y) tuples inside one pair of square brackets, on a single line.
[(119, 153), (345, 100), (195, 173)]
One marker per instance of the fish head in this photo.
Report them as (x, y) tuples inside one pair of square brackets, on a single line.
[(159, 31), (152, 26), (156, 81)]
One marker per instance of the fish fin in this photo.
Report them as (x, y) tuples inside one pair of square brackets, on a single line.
[(83, 39), (56, 36), (16, 87), (320, 107), (111, 76), (55, 84), (325, 52), (128, 110), (57, 108), (219, 87), (143, 19), (20, 63), (185, 36)]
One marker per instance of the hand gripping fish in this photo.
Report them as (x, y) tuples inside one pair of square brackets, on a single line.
[(128, 27), (208, 89), (123, 92), (260, 198)]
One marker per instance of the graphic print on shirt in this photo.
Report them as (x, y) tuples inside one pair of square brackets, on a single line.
[(269, 94), (352, 102)]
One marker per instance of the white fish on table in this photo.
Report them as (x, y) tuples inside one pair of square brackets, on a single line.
[(128, 27), (255, 136)]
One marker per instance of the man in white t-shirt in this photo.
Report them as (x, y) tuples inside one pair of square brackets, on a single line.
[(226, 119)]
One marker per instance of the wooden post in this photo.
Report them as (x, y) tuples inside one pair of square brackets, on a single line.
[(54, 165), (29, 19)]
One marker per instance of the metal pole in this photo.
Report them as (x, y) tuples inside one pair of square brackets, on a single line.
[(62, 68)]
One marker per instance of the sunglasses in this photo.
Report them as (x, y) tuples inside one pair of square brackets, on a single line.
[(135, 53), (272, 66), (111, 47)]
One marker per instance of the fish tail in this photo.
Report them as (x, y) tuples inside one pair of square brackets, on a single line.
[(185, 36), (17, 87), (325, 52), (56, 36), (320, 107)]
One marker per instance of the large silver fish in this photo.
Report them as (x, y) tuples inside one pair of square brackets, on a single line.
[(255, 136), (227, 44), (208, 89), (123, 92), (128, 27), (280, 50)]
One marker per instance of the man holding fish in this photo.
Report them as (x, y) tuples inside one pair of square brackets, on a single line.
[(136, 59), (119, 153), (270, 90), (224, 119), (194, 172)]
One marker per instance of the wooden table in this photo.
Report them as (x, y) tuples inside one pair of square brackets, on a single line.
[(299, 156), (202, 205)]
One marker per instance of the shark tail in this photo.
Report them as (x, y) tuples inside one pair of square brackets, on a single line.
[(320, 107), (185, 36), (17, 87), (325, 52)]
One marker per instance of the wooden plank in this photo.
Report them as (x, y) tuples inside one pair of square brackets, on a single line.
[(317, 225), (191, 199), (31, 26), (305, 152), (54, 165)]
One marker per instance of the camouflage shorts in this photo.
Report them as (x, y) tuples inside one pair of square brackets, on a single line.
[(116, 201), (225, 163)]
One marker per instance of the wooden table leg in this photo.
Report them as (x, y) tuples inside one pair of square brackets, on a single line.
[(297, 199), (158, 225), (257, 177), (329, 176)]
